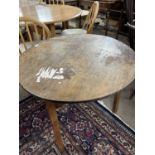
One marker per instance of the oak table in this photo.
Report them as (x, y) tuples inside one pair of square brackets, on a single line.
[(50, 14), (75, 68)]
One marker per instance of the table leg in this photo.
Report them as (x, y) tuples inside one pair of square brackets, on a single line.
[(65, 25), (116, 102), (80, 21), (53, 117), (52, 28)]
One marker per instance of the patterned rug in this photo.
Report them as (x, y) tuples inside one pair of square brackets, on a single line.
[(86, 128)]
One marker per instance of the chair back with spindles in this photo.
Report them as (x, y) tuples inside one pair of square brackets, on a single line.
[(90, 19), (57, 2), (31, 32)]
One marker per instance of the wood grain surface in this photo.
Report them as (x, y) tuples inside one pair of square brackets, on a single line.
[(89, 67), (50, 13)]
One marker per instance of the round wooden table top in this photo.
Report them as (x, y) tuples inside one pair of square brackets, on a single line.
[(50, 13), (77, 68)]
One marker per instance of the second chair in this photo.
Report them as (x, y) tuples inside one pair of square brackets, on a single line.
[(89, 22)]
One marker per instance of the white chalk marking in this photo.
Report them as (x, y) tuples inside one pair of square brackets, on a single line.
[(50, 73)]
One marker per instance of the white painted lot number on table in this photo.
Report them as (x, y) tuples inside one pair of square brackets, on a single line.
[(50, 73)]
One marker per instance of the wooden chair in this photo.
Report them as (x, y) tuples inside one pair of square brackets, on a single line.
[(85, 12), (89, 22), (31, 32)]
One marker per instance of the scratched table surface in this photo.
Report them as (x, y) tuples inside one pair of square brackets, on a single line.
[(77, 68), (50, 13)]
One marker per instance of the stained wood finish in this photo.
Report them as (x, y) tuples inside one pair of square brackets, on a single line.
[(40, 32), (55, 124), (52, 28), (116, 102), (94, 67), (50, 13)]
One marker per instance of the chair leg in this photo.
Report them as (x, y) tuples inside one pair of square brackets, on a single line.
[(55, 124), (107, 22), (119, 23), (116, 102), (117, 33)]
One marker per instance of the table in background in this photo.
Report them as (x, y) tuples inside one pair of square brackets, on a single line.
[(23, 3), (75, 68), (50, 14)]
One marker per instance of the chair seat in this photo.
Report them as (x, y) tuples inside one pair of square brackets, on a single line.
[(74, 31), (84, 13)]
